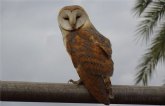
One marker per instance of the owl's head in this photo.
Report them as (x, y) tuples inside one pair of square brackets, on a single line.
[(71, 18)]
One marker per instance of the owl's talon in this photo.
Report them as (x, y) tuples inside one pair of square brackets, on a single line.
[(79, 82), (70, 81)]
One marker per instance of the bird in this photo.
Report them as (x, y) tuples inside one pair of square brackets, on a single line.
[(90, 52)]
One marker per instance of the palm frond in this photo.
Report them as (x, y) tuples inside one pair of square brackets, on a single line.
[(151, 17), (158, 45), (145, 69), (152, 57), (140, 6)]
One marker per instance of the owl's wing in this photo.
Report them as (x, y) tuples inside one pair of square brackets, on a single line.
[(103, 52), (96, 73), (96, 70), (91, 58), (106, 47), (91, 52)]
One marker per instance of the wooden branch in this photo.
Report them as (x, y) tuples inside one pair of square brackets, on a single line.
[(69, 93)]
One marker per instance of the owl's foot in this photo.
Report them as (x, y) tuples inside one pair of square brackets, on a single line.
[(79, 82)]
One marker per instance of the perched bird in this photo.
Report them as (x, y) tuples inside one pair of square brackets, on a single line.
[(89, 50)]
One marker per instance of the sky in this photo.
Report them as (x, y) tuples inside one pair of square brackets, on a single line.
[(32, 49)]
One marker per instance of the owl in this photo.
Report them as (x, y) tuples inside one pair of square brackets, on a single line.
[(89, 50)]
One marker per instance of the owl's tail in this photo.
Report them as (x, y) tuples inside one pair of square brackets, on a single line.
[(96, 86), (108, 85), (111, 95)]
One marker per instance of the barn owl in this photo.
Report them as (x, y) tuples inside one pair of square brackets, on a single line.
[(90, 52)]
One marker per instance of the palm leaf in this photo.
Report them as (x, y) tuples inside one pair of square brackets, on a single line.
[(149, 61), (151, 17), (140, 6)]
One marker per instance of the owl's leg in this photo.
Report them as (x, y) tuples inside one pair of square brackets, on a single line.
[(79, 82)]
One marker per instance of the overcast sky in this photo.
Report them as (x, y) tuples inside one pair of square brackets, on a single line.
[(32, 48)]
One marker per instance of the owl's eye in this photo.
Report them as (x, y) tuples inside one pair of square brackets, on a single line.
[(66, 18), (78, 16)]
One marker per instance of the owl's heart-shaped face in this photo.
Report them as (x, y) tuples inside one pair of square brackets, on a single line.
[(72, 17)]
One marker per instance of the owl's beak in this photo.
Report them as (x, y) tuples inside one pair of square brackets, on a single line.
[(72, 22)]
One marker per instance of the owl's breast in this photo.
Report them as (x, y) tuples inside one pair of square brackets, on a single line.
[(78, 44)]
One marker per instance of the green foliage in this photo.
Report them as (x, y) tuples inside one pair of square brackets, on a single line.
[(151, 18), (141, 5), (152, 24)]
